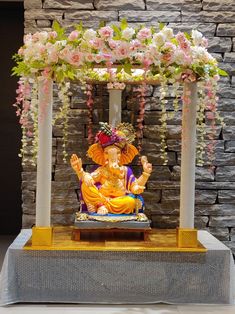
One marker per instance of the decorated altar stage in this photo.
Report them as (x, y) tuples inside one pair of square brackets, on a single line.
[(117, 272), (172, 266)]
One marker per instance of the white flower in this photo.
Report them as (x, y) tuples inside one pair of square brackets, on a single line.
[(159, 39), (168, 32), (61, 43), (42, 37), (197, 37), (89, 34), (128, 33)]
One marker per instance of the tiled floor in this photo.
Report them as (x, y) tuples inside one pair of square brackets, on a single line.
[(106, 309)]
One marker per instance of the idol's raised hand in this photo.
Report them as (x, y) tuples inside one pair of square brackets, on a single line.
[(76, 163), (147, 167)]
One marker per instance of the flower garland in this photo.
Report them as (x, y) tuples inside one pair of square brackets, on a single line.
[(116, 54), (90, 103), (63, 113), (140, 119), (201, 125)]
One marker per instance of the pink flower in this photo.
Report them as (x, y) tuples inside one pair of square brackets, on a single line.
[(210, 115), (46, 72), (105, 50), (21, 51), (122, 51), (168, 52), (52, 35), (52, 56), (42, 49), (147, 61), (113, 44), (182, 40), (96, 43), (76, 58), (188, 76), (64, 53), (144, 33), (98, 58), (89, 57), (107, 56), (135, 44), (170, 46), (167, 57), (73, 35), (106, 32), (181, 57)]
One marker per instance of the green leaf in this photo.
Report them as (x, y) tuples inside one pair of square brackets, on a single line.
[(102, 24), (117, 32), (127, 68), (58, 29), (70, 75), (119, 68), (152, 29), (174, 41), (161, 26), (187, 35), (123, 24), (222, 72), (79, 27)]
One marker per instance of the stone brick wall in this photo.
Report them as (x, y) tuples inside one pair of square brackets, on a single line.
[(215, 190)]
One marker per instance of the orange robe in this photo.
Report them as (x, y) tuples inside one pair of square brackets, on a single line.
[(110, 191)]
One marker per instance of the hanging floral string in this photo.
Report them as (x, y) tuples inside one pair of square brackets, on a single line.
[(186, 98), (176, 96), (62, 115), (212, 116), (140, 120), (163, 120), (35, 108), (201, 125), (90, 103), (22, 106)]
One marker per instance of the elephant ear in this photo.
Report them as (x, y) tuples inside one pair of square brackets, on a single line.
[(129, 154), (96, 153)]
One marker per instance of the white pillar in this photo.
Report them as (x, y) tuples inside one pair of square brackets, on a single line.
[(44, 161), (115, 106), (188, 156)]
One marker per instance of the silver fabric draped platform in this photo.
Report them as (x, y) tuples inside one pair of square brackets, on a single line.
[(117, 277)]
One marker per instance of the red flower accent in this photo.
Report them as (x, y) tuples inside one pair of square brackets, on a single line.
[(103, 138)]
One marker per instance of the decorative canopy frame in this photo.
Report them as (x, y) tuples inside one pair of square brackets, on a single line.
[(188, 153), (116, 55)]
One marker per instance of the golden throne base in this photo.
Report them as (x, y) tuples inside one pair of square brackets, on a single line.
[(157, 240)]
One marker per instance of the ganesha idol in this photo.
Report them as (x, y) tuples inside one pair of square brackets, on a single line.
[(112, 190)]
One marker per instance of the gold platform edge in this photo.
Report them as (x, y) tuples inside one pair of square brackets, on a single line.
[(187, 237), (42, 237), (59, 239)]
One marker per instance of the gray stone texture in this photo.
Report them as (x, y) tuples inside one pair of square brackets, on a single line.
[(215, 188), (219, 44), (69, 4), (225, 29), (150, 16), (208, 29), (190, 5), (119, 5), (208, 16), (32, 4), (218, 5), (85, 15), (40, 14)]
